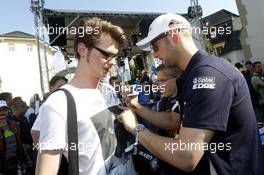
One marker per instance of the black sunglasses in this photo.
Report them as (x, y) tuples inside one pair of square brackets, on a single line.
[(107, 55), (160, 36)]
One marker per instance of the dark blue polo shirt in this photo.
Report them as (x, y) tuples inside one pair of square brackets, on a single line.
[(213, 95)]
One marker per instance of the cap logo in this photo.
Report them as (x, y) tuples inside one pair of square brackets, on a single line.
[(178, 24), (174, 23)]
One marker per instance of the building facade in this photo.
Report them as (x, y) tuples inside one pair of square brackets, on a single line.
[(19, 65), (224, 35), (251, 14)]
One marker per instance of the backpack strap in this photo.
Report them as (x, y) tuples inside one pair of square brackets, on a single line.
[(72, 127)]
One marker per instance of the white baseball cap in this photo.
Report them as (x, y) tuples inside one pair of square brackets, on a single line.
[(3, 104), (160, 25)]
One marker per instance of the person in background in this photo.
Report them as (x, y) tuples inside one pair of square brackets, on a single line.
[(165, 121), (56, 82), (15, 99), (114, 81), (249, 67), (248, 74), (11, 150), (144, 76), (258, 85), (6, 96), (19, 108), (31, 108), (144, 94)]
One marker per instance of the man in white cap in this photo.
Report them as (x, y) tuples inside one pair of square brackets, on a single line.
[(218, 124), (11, 148)]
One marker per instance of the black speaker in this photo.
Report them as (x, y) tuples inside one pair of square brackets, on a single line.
[(144, 27), (56, 28), (139, 62)]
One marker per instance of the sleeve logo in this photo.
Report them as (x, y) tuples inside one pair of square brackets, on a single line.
[(204, 83)]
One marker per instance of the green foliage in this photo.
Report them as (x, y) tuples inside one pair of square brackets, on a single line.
[(208, 45), (135, 73)]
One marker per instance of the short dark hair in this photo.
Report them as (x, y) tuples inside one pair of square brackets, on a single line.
[(112, 79), (15, 99), (248, 62), (5, 95), (18, 103), (56, 78), (238, 65), (169, 71), (255, 63)]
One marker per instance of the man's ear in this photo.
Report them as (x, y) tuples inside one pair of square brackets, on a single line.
[(176, 38), (82, 49), (175, 35)]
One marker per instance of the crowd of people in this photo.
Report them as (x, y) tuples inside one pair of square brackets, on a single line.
[(16, 141), (18, 148), (194, 99), (254, 75)]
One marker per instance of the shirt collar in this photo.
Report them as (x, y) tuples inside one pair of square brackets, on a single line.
[(193, 62)]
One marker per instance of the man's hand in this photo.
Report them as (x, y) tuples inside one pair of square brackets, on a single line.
[(128, 118), (132, 101)]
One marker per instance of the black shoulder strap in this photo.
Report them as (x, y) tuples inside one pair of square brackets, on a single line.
[(73, 154)]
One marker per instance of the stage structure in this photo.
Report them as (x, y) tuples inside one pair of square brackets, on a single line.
[(60, 25), (36, 8), (195, 14)]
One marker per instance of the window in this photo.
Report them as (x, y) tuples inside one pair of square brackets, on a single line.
[(11, 47), (29, 47)]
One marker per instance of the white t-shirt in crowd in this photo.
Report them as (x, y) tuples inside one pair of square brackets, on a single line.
[(95, 127)]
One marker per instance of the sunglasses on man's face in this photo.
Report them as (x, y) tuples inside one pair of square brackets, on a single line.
[(107, 55), (154, 47)]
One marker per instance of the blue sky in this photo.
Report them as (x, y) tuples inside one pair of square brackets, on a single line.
[(16, 14)]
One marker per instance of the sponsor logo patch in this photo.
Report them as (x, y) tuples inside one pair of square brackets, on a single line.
[(204, 83)]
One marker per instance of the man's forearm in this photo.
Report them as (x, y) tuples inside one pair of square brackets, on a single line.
[(163, 120), (165, 149), (48, 162)]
